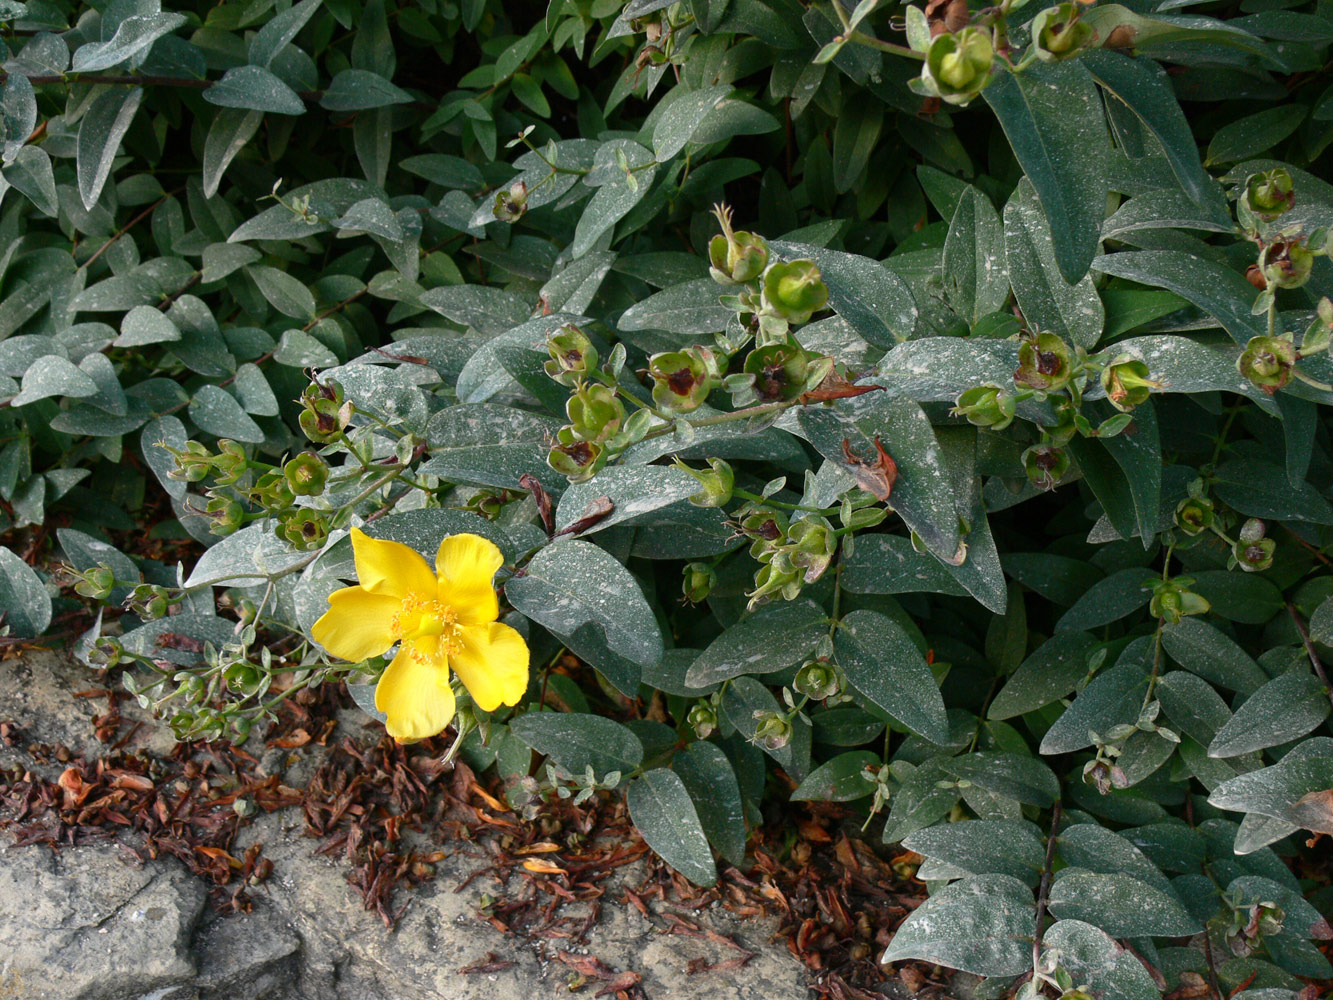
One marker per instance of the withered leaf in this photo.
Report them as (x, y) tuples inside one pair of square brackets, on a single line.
[(594, 512), (529, 482), (835, 386), (877, 475), (1315, 811)]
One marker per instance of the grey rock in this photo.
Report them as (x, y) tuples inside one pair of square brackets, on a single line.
[(85, 924)]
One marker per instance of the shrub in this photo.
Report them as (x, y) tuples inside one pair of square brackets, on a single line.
[(893, 399)]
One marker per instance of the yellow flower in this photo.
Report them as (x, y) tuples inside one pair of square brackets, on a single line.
[(440, 620)]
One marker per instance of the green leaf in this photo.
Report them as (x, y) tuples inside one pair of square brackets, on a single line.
[(216, 411), (774, 637), (489, 310), (617, 191), (976, 277), (1262, 489), (52, 375), (1192, 705), (254, 89), (1293, 790), (682, 117), (361, 90), (104, 125), (1107, 601), (1214, 288), (489, 445), (1094, 958), (1284, 709), (232, 128), (1051, 672), (855, 136), (842, 779), (1052, 304), (926, 794), (1120, 904), (887, 564), (278, 32), (284, 293), (1012, 775), (1052, 116), (571, 583), (577, 741), (983, 924), (133, 35), (711, 781), (865, 293), (1204, 650), (1059, 579), (1142, 86), (1239, 597), (922, 493), (661, 808), (299, 349), (885, 666), (1113, 698), (985, 847), (23, 596), (742, 700), (31, 174), (1252, 135), (688, 308), (1087, 845), (250, 556), (633, 491)]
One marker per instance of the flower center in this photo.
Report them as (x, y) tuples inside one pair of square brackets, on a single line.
[(421, 618)]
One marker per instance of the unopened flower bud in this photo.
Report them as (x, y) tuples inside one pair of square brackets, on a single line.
[(779, 578), (573, 457), (794, 290), (595, 413), (1126, 382), (226, 516), (1256, 556), (1045, 465), (986, 406), (773, 730), (303, 529), (1194, 515), (811, 546), (306, 474), (767, 529), (780, 371), (702, 719), (324, 412), (193, 462), (1058, 33), (511, 202), (272, 491), (817, 680), (1044, 363), (1269, 194), (735, 258), (683, 379), (1268, 362), (699, 581), (1286, 264), (717, 480), (96, 583), (1172, 600), (958, 66), (572, 355)]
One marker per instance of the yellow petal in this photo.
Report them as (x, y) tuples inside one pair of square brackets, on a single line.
[(357, 624), (465, 564), (385, 567), (414, 693), (493, 665)]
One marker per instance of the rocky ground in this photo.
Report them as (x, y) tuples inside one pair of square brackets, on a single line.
[(102, 921)]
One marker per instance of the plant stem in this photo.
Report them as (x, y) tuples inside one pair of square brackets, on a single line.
[(876, 43), (756, 498), (1310, 650), (1043, 890), (725, 418)]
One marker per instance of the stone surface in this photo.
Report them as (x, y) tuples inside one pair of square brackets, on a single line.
[(91, 923)]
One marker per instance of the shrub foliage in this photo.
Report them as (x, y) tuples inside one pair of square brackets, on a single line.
[(920, 404)]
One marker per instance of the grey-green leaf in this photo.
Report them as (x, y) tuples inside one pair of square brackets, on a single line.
[(256, 89), (23, 596), (983, 924), (885, 666), (1286, 708), (577, 741), (774, 637), (1120, 904), (661, 808), (570, 583), (104, 125)]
